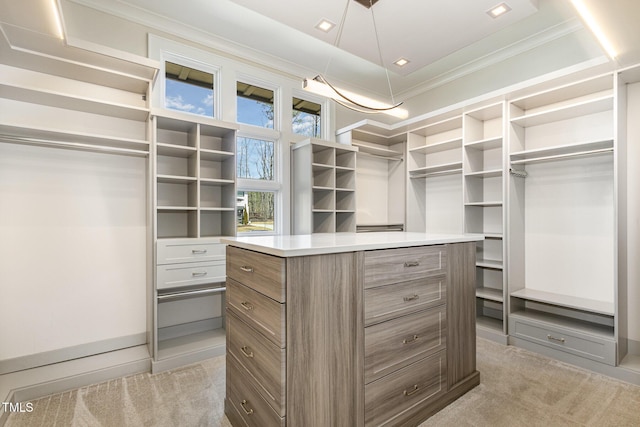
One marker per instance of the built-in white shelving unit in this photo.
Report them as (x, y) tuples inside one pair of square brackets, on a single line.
[(380, 179), (195, 205), (484, 212), (562, 234), (324, 187), (59, 111), (434, 184)]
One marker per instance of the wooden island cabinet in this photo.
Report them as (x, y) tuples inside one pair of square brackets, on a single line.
[(346, 329)]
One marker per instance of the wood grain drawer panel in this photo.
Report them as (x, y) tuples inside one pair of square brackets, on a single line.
[(383, 267), (399, 342), (189, 274), (399, 299), (264, 273), (262, 313), (243, 405), (169, 252), (571, 341), (389, 399), (264, 361)]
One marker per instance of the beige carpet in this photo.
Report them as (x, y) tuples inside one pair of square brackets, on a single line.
[(518, 388)]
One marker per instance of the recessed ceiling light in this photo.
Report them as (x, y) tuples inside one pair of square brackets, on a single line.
[(401, 62), (498, 10), (325, 25)]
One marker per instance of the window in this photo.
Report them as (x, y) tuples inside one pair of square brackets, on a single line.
[(258, 188), (188, 89), (306, 118), (255, 159), (255, 211), (255, 105)]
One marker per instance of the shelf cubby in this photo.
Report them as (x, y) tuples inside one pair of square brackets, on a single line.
[(218, 222), (323, 183)]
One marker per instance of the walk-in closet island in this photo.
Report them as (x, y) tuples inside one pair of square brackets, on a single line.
[(349, 328)]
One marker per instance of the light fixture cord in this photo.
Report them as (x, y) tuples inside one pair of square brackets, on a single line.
[(375, 31), (338, 35)]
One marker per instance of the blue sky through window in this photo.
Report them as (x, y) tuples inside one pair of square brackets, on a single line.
[(189, 98), (253, 112)]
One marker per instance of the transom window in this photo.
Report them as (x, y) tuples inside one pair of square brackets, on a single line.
[(306, 118), (188, 89), (255, 105)]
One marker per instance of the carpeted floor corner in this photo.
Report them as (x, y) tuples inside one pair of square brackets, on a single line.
[(518, 388)]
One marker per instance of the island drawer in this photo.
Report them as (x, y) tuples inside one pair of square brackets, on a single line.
[(399, 299), (262, 313), (188, 274), (170, 252), (264, 273), (244, 405), (387, 266), (390, 399), (261, 358), (396, 343)]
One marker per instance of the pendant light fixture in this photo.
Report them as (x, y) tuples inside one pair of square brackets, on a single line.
[(321, 86)]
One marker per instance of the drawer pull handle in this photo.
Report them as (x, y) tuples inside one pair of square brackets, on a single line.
[(247, 306), (198, 273), (411, 298), (246, 352), (198, 251), (412, 263), (247, 269), (244, 408), (412, 391), (551, 338), (411, 340)]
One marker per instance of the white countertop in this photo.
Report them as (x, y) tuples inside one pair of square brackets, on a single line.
[(327, 243)]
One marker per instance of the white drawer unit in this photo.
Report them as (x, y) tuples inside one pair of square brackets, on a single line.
[(189, 274), (176, 251), (595, 343)]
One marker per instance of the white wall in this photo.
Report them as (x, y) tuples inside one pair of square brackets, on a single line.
[(72, 248)]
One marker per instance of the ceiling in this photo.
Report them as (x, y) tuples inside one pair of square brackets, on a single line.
[(442, 39), (417, 30)]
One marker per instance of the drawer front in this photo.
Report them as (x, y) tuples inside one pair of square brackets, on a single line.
[(397, 343), (260, 312), (390, 399), (188, 274), (177, 252), (388, 266), (243, 405), (557, 337), (399, 299), (261, 358), (264, 273)]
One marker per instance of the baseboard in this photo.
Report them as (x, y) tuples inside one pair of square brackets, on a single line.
[(492, 335), (35, 383), (30, 361), (186, 358)]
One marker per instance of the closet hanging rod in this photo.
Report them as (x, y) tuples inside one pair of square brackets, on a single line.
[(562, 156), (399, 159), (428, 174), (72, 145), (189, 294)]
